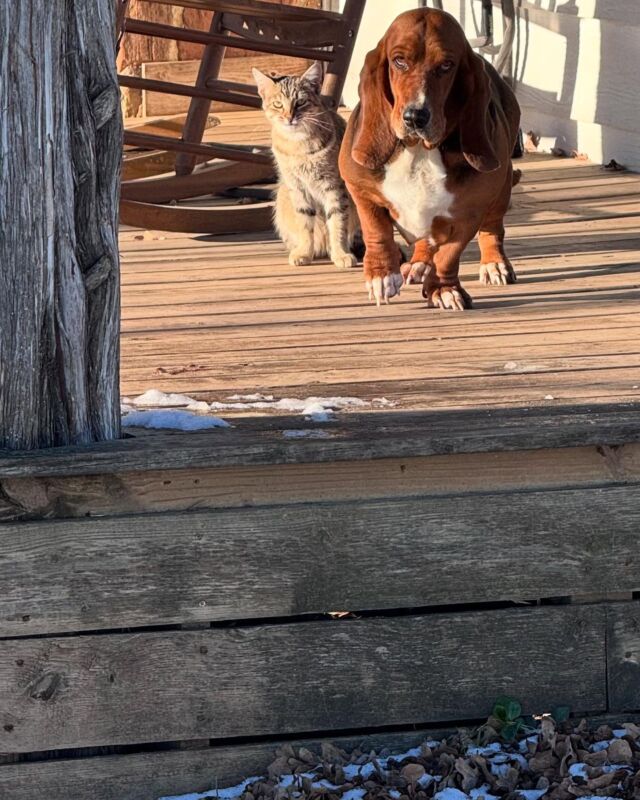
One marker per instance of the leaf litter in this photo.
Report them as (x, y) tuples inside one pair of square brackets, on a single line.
[(551, 761)]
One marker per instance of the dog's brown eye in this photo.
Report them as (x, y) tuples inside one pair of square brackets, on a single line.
[(446, 66), (400, 63)]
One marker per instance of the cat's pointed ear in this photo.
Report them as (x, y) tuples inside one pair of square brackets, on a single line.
[(263, 82), (374, 140), (314, 75)]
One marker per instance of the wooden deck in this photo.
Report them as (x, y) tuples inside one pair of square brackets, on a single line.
[(163, 620), (211, 317)]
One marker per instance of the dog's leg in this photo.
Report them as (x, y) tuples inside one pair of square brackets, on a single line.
[(415, 268), (441, 286), (381, 262), (495, 267)]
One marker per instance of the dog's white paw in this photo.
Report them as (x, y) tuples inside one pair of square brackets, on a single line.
[(383, 289), (497, 273)]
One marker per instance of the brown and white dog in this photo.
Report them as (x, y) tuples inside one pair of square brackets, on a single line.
[(429, 148)]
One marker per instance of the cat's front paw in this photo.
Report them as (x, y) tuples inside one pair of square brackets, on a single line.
[(299, 258), (345, 260)]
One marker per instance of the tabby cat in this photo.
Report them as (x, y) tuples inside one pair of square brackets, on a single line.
[(314, 214)]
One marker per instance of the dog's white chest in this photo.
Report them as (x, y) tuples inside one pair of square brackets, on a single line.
[(414, 184)]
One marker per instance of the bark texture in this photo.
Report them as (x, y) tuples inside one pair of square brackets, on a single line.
[(60, 154)]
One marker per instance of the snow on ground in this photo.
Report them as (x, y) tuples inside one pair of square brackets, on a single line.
[(315, 409), (549, 763), (174, 419)]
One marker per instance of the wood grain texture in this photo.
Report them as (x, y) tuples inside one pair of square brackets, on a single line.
[(564, 334), (623, 656), (229, 487), (148, 776), (274, 562), (62, 139), (355, 436), (174, 685), (209, 180)]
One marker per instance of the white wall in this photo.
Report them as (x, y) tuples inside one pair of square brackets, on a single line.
[(576, 63), (378, 15)]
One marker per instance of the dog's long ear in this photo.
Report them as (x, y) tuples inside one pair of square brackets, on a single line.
[(374, 140), (475, 121)]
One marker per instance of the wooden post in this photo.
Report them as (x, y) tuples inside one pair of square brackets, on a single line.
[(60, 154)]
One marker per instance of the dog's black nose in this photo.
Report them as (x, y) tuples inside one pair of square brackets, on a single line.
[(417, 117)]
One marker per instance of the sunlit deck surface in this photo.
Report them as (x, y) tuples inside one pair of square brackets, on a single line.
[(214, 317)]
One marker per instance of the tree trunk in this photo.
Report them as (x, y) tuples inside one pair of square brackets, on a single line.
[(60, 155)]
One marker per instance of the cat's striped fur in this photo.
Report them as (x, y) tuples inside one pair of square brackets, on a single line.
[(314, 214)]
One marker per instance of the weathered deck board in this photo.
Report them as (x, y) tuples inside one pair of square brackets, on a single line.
[(623, 656), (316, 676), (273, 484), (368, 436), (273, 562)]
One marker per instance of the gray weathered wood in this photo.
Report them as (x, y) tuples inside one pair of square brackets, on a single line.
[(147, 776), (281, 679), (59, 282), (623, 656), (358, 436), (269, 562)]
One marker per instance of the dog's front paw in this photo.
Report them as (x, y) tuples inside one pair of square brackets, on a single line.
[(415, 272), (381, 288), (497, 273), (447, 298)]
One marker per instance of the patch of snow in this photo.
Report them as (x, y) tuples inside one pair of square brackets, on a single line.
[(252, 398), (499, 770), (294, 780), (223, 794), (483, 791), (382, 401), (125, 408), (306, 434), (318, 408), (597, 747), (579, 770), (176, 419), (154, 398), (450, 794), (616, 767), (487, 750), (325, 784), (199, 406), (549, 397), (511, 365), (523, 746), (354, 794), (352, 771), (413, 752), (531, 794), (620, 732), (395, 794), (426, 780)]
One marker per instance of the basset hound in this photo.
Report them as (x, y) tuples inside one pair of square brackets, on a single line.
[(428, 148)]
